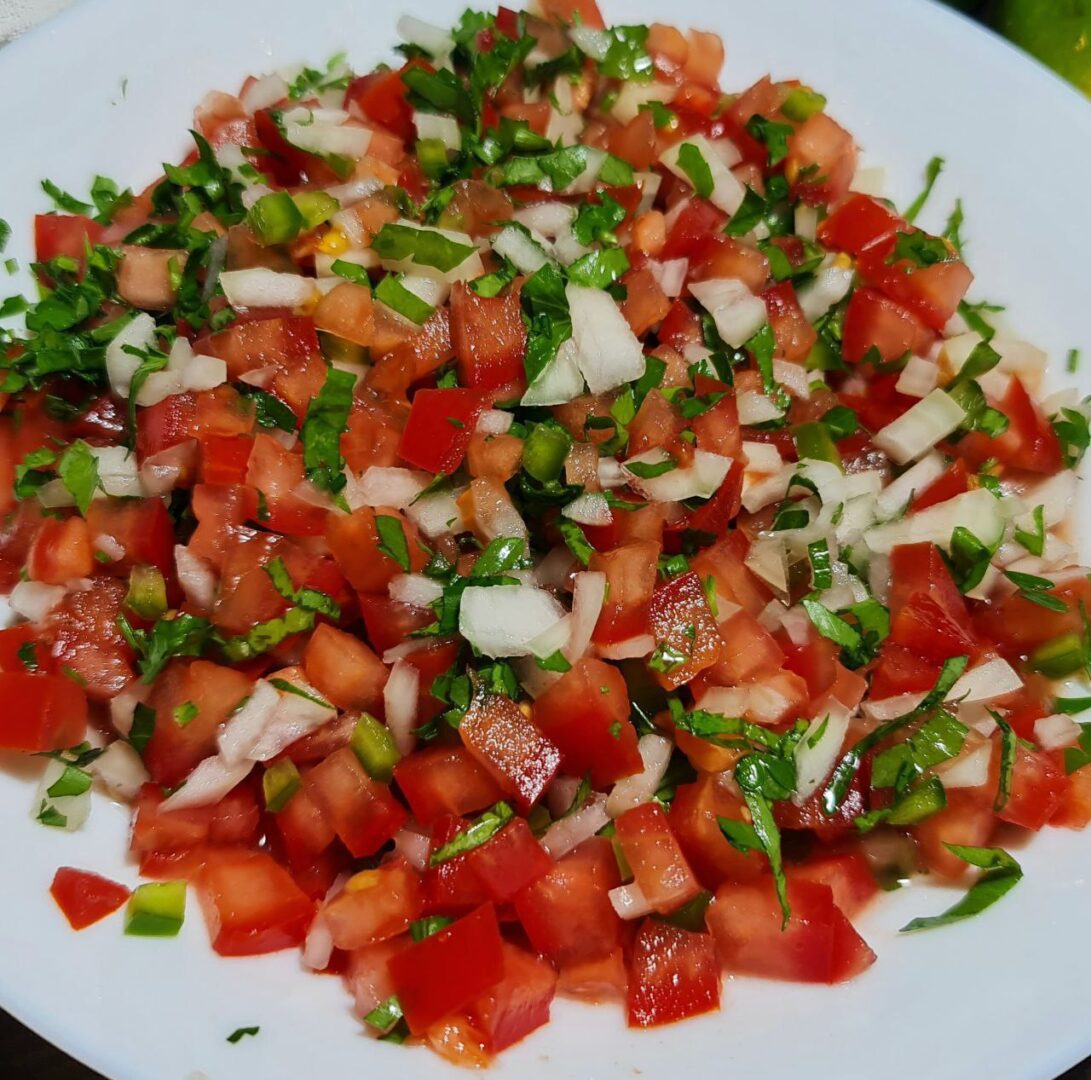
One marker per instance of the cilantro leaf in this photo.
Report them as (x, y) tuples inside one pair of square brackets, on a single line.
[(1001, 874), (692, 162), (932, 172), (78, 470), (392, 541), (326, 421), (474, 835)]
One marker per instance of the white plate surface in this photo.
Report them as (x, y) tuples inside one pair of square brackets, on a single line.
[(109, 87)]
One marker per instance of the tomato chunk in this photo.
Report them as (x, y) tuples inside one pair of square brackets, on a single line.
[(449, 970), (652, 851), (438, 780), (673, 974), (375, 905), (85, 898), (439, 427), (41, 712), (519, 1003)]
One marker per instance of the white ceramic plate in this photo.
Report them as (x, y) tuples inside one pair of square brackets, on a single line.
[(110, 87)]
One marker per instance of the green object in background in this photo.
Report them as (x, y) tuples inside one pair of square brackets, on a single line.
[(1057, 32)]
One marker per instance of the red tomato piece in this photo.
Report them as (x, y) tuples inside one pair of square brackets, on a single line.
[(965, 820), (41, 712), (1037, 789), (847, 874), (630, 581), (374, 905), (684, 629), (652, 850), (449, 970), (251, 904), (955, 481), (518, 1004), (439, 427), (382, 97), (510, 747), (489, 338), (85, 636), (67, 235), (451, 887), (858, 223), (693, 819), (85, 898), (818, 945), (61, 551), (928, 613), (874, 321), (586, 714), (142, 528), (362, 811), (344, 670), (673, 974), (821, 160), (509, 861), (445, 780), (356, 544), (794, 335)]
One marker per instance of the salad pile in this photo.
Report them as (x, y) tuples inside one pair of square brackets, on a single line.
[(523, 521)]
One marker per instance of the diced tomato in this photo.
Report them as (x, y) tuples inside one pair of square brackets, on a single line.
[(821, 160), (680, 327), (725, 562), (289, 343), (278, 474), (489, 338), (344, 670), (567, 913), (794, 335), (41, 712), (439, 428), (811, 814), (509, 861), (645, 303), (61, 551), (251, 904), (586, 714), (1074, 810), (85, 898), (362, 811), (1029, 443), (304, 829), (693, 818), (67, 235), (439, 780), (17, 642), (684, 629), (1037, 789), (817, 945), (964, 820), (374, 905), (86, 639), (389, 622), (449, 970), (518, 1003), (873, 321), (361, 553), (928, 613), (142, 528), (955, 481), (902, 671), (573, 12), (858, 223), (693, 230), (381, 97), (450, 887), (847, 874), (174, 747), (630, 576), (224, 458), (673, 974), (510, 747), (652, 850), (749, 650)]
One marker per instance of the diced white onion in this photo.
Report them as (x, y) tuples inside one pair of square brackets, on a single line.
[(701, 479), (121, 770), (120, 365), (634, 94), (435, 126), (72, 809), (1055, 495), (894, 497), (244, 727), (264, 92), (670, 275), (726, 700), (762, 492), (608, 353), (123, 705), (258, 287), (432, 39), (767, 558), (209, 782), (892, 707), (806, 221), (978, 511), (494, 422), (318, 945), (737, 312), (413, 847), (918, 378), (727, 192), (381, 485), (986, 682), (196, 576), (870, 180), (655, 752), (324, 132), (918, 429), (830, 286), (588, 596), (590, 508), (526, 253), (569, 832), (418, 590), (400, 697), (815, 762), (762, 457), (591, 42), (437, 513), (1056, 732), (630, 648), (503, 620), (34, 600), (560, 381), (793, 377), (970, 769), (629, 901)]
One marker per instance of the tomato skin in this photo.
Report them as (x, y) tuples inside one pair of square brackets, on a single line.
[(83, 629), (510, 861), (810, 815), (928, 613), (847, 874), (518, 1004), (362, 811), (694, 230), (489, 338), (1074, 809), (304, 829), (64, 234), (902, 671), (645, 304), (381, 97), (586, 714), (85, 898), (251, 904), (819, 945), (510, 748), (1030, 442), (143, 528), (964, 820), (823, 143), (445, 780), (41, 712), (955, 481), (430, 441), (574, 11), (380, 906), (874, 321), (15, 638), (61, 551), (630, 578), (794, 334), (451, 887), (857, 224), (344, 670), (673, 974), (682, 621), (725, 562), (693, 819), (566, 913), (449, 970), (652, 850), (1037, 789)]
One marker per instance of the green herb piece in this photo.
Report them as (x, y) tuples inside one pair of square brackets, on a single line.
[(326, 421), (802, 103), (773, 135), (310, 599), (1034, 542), (1072, 361), (692, 162), (1074, 434), (185, 713), (600, 268), (156, 909), (351, 271), (267, 635), (419, 929), (424, 247), (952, 231), (980, 416), (968, 559), (239, 1033), (49, 815), (1071, 706), (1037, 590), (279, 783), (373, 744), (1009, 745), (73, 781), (385, 1015), (813, 440), (937, 740), (691, 915), (151, 361), (821, 570), (392, 541), (1001, 874), (143, 727), (78, 470), (270, 411), (286, 687), (556, 661), (576, 541), (184, 635), (1079, 756), (316, 207), (474, 835), (503, 554), (311, 82), (931, 174), (627, 55), (764, 777), (397, 297), (859, 642), (28, 655), (916, 804), (662, 117), (648, 470), (63, 201), (544, 451)]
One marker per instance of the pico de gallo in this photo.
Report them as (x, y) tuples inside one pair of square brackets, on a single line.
[(527, 521)]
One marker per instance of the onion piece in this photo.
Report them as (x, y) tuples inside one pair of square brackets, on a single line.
[(197, 578), (72, 809), (918, 378), (970, 769), (502, 620), (816, 754), (417, 590), (699, 480), (726, 700), (727, 192), (263, 92), (400, 697), (655, 752), (762, 457), (891, 708), (121, 770), (918, 429), (629, 901), (633, 95), (414, 847), (737, 312), (120, 365), (209, 782), (295, 716), (318, 945), (244, 727), (521, 248), (590, 508), (629, 649), (494, 422), (34, 600), (608, 353), (670, 275), (978, 511), (560, 381), (986, 682), (588, 596), (569, 832), (434, 40), (258, 287), (381, 485), (894, 497), (1056, 732), (438, 127)]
